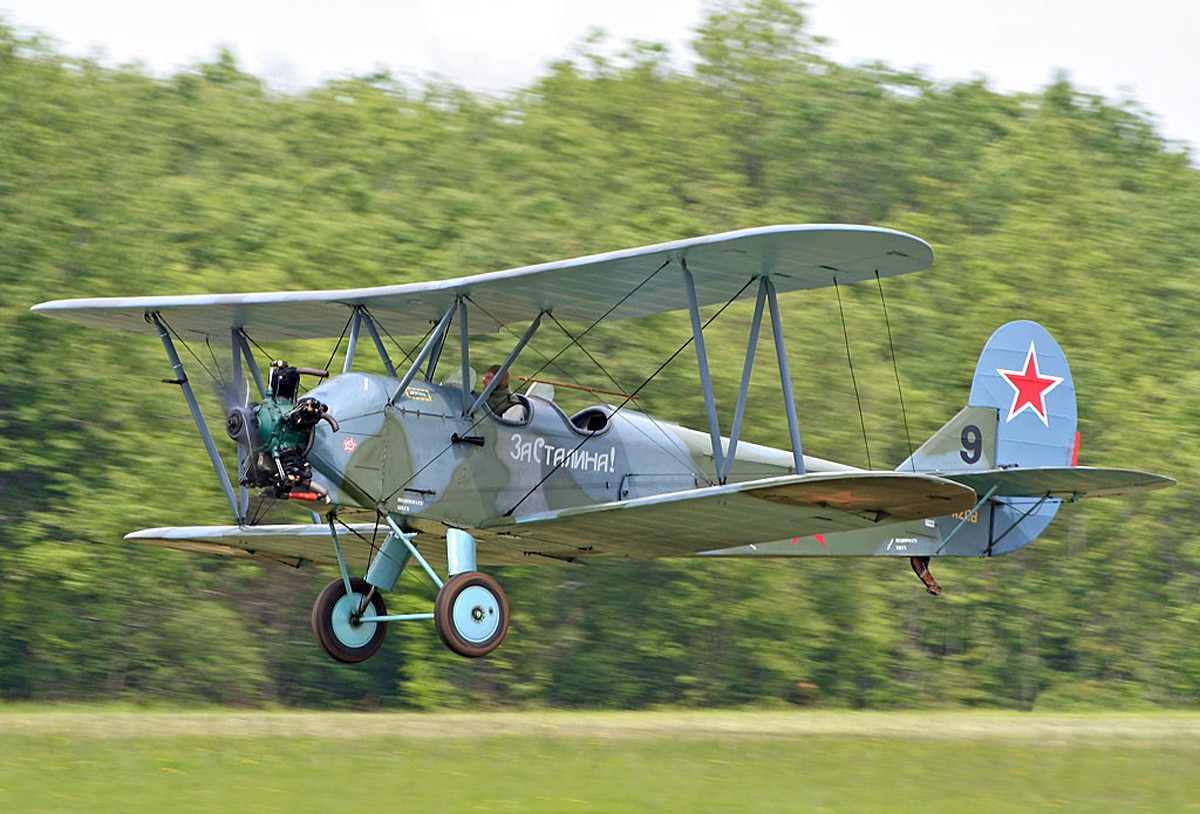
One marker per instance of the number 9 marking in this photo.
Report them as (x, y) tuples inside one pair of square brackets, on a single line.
[(972, 444)]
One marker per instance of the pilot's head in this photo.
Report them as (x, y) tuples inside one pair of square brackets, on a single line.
[(490, 374)]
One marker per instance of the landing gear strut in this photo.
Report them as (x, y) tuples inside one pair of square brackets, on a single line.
[(470, 613)]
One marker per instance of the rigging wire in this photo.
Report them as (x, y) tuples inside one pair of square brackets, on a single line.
[(895, 369), (631, 396), (587, 353), (685, 461), (575, 340), (549, 362), (338, 344), (853, 379), (221, 381), (191, 352), (531, 347), (407, 355)]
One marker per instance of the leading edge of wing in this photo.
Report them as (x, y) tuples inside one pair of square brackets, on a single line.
[(582, 288), (736, 514)]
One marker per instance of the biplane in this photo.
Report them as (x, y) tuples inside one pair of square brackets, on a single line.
[(412, 467)]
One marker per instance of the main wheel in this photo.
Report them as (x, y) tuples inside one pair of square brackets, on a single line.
[(471, 614), (336, 621)]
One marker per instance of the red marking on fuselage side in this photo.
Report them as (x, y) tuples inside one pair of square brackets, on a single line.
[(1075, 450), (820, 538)]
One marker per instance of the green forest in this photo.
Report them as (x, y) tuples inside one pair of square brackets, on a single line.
[(1059, 206)]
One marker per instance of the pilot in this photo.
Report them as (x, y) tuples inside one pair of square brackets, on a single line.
[(501, 400)]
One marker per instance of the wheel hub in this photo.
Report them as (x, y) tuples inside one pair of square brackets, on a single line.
[(476, 614), (347, 622)]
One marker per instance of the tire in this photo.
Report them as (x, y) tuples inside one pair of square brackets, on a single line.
[(471, 614), (335, 628)]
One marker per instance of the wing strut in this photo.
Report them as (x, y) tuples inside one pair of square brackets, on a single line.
[(357, 320), (197, 416), (710, 402), (464, 341), (766, 296), (512, 357), (434, 341), (740, 410), (785, 376)]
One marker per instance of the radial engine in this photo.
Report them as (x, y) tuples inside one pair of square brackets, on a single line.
[(275, 436)]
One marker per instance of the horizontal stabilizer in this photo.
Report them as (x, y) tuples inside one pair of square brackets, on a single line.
[(1066, 482), (688, 522)]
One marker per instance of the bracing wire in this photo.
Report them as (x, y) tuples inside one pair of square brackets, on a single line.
[(895, 368), (191, 352), (408, 357), (853, 379), (531, 347), (631, 396), (549, 362), (574, 340), (338, 345)]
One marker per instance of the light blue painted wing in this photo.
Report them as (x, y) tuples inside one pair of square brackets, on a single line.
[(583, 288), (293, 545), (671, 525)]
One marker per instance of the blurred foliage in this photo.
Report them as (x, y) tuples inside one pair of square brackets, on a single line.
[(1058, 206)]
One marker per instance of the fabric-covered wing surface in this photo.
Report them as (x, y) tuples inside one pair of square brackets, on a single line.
[(678, 524), (584, 288), (1067, 482), (685, 523)]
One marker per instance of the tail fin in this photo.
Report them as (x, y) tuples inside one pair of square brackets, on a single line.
[(1021, 413)]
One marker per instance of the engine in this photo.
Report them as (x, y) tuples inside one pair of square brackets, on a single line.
[(276, 435)]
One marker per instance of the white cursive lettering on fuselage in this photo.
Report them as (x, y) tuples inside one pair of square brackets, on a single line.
[(538, 451)]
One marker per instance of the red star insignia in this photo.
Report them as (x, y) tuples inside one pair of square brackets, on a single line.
[(1030, 387)]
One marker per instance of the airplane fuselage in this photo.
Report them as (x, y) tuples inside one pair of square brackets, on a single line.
[(417, 454)]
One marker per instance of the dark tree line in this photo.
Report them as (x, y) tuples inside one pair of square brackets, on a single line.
[(1058, 206)]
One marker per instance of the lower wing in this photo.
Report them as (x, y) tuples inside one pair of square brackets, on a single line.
[(675, 524)]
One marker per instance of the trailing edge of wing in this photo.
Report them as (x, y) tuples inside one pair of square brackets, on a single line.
[(1066, 482), (583, 288), (737, 514)]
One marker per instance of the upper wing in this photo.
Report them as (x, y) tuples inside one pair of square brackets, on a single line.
[(737, 514), (584, 288)]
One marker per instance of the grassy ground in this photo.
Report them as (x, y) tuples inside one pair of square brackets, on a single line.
[(103, 761)]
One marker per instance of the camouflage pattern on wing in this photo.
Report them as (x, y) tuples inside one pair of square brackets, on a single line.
[(686, 523)]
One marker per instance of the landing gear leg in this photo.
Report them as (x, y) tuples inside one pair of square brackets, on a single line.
[(920, 567), (471, 611)]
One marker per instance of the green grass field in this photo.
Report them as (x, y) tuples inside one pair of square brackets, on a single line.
[(71, 760)]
